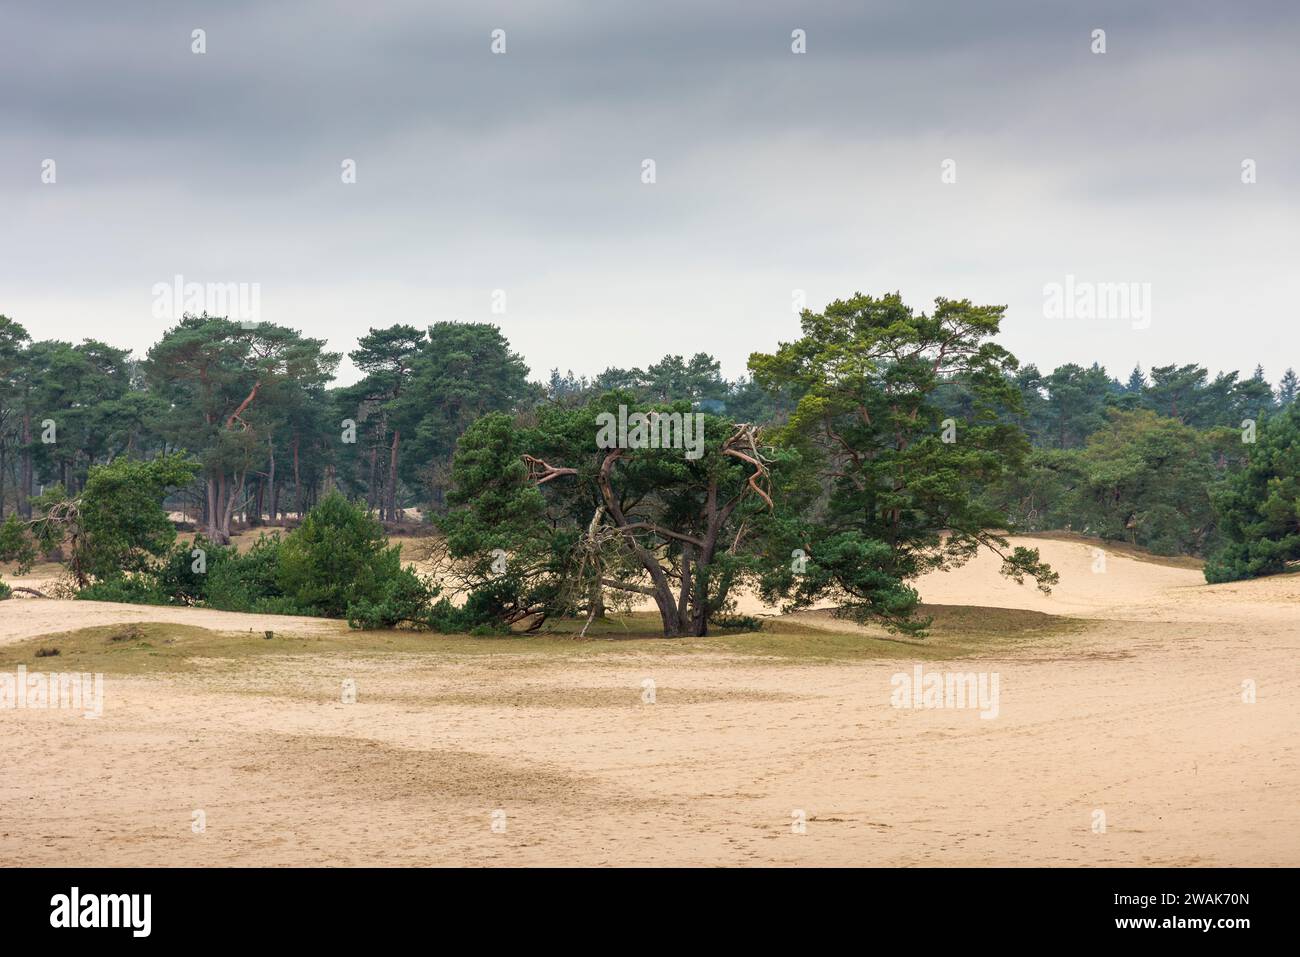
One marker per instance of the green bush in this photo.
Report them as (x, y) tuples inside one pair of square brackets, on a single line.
[(247, 581), (403, 597), (5, 591), (223, 577), (338, 564), (470, 619), (140, 589), (177, 575), (277, 605), (117, 524), (16, 545)]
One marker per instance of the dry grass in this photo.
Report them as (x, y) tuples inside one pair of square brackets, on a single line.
[(155, 647)]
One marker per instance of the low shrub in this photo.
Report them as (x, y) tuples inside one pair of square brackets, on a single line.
[(336, 564), (248, 581), (142, 589)]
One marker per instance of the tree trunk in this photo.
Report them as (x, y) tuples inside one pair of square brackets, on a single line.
[(210, 508), (596, 598), (25, 480), (232, 502), (684, 602), (221, 503), (372, 487), (297, 481), (663, 592), (273, 502), (390, 497)]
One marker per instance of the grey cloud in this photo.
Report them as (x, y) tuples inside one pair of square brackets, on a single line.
[(521, 171)]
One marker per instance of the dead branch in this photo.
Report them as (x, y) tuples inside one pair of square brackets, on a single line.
[(540, 472), (740, 532), (743, 445)]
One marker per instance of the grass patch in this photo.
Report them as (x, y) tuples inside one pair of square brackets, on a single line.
[(156, 647), (957, 631), (147, 647)]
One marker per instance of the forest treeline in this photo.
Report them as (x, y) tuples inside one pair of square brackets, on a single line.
[(919, 420), (1130, 460)]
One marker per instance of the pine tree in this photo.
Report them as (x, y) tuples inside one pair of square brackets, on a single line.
[(1259, 507), (1287, 388)]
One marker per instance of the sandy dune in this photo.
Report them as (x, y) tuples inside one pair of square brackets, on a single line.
[(1140, 718), (27, 618)]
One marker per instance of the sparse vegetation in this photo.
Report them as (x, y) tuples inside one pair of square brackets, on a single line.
[(149, 647)]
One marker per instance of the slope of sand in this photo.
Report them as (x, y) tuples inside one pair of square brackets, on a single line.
[(28, 618), (1140, 717)]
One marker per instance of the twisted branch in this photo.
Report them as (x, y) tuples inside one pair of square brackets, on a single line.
[(541, 472), (743, 445)]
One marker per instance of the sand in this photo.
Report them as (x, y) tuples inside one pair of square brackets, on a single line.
[(517, 759)]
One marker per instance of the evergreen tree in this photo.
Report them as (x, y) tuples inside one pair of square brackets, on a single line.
[(1259, 507), (898, 482), (1287, 388)]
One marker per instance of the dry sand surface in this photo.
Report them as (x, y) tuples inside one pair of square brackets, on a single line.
[(1139, 715)]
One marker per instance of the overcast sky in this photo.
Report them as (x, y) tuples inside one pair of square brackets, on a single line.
[(775, 171)]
